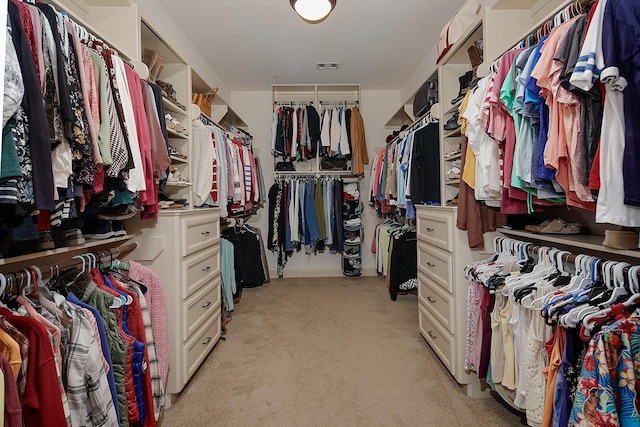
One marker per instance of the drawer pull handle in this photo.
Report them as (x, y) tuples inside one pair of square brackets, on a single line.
[(430, 264), (207, 268), (207, 341), (430, 230), (431, 335), (207, 304), (205, 233), (431, 300)]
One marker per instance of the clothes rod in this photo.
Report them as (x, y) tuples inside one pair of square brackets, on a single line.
[(52, 270)]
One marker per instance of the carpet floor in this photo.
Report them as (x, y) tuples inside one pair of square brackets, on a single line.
[(327, 352)]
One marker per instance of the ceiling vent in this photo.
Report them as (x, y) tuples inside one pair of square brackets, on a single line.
[(327, 65)]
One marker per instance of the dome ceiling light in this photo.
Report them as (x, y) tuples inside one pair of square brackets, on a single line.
[(313, 11)]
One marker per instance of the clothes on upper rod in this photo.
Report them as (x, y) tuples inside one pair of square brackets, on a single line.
[(235, 183), (82, 132), (559, 114), (298, 133), (407, 171)]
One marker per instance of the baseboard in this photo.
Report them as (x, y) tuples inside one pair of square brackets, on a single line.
[(295, 274)]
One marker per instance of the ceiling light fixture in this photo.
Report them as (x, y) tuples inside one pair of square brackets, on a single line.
[(313, 11)]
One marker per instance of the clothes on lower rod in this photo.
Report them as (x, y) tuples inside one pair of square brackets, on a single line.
[(305, 213)]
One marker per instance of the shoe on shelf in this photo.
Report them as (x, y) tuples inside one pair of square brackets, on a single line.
[(45, 241), (453, 153), (558, 226), (174, 174), (465, 85), (66, 238), (118, 228), (454, 201), (452, 123), (176, 152), (98, 229), (173, 123), (454, 172)]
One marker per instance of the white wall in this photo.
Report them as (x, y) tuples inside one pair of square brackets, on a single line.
[(165, 26), (255, 109)]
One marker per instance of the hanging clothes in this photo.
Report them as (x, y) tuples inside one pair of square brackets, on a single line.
[(305, 213)]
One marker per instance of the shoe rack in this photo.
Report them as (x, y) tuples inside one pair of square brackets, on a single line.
[(352, 228), (453, 73)]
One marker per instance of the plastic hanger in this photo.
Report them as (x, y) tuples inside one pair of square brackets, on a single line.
[(24, 289), (84, 263)]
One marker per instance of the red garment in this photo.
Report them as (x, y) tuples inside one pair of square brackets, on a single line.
[(12, 405), (149, 197), (42, 403), (136, 327), (132, 401)]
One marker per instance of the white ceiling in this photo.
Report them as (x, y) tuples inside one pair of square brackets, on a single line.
[(253, 44)]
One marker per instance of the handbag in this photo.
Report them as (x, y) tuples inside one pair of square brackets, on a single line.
[(285, 167), (203, 101), (333, 163)]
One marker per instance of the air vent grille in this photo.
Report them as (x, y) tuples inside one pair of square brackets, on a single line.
[(327, 65)]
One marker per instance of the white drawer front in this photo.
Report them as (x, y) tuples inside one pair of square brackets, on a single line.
[(440, 341), (437, 264), (437, 301), (197, 349), (436, 229), (199, 233), (199, 308), (199, 269)]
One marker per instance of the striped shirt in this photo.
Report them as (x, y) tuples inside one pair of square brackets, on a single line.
[(87, 386)]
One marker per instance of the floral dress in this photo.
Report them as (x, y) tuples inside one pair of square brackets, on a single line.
[(607, 393)]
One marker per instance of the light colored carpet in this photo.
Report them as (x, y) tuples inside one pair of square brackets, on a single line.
[(327, 352)]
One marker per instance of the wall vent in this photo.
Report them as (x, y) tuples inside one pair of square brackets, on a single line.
[(327, 65)]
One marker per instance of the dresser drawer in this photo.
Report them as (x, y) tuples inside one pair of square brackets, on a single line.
[(438, 302), (440, 341), (199, 308), (197, 349), (200, 269), (199, 233), (437, 264), (436, 229)]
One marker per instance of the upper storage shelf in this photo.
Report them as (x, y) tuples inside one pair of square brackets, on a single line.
[(116, 22), (221, 113)]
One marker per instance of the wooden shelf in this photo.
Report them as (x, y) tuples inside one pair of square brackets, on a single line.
[(40, 258), (179, 184), (452, 181), (453, 133), (175, 134), (178, 159), (172, 106), (582, 242)]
